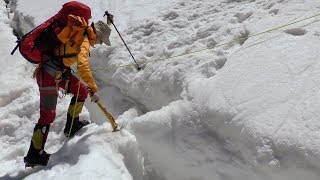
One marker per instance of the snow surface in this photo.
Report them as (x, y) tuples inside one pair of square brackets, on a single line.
[(247, 109)]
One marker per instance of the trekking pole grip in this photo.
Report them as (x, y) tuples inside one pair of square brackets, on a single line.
[(109, 16)]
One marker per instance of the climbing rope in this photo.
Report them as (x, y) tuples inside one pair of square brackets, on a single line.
[(208, 48), (74, 111)]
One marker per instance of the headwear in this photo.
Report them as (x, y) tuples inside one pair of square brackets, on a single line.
[(103, 31)]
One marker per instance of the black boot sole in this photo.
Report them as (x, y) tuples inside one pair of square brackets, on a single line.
[(32, 165), (72, 133)]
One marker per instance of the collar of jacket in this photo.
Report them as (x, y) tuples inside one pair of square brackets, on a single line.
[(75, 31)]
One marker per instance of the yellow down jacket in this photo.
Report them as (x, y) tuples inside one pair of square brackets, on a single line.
[(77, 37)]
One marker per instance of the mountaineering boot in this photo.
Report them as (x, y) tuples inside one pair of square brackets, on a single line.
[(36, 154), (76, 126), (41, 160), (72, 126)]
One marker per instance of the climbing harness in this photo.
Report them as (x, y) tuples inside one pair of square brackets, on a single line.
[(63, 75)]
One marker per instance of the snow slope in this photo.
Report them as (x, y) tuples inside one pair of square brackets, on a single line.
[(242, 110), (256, 119)]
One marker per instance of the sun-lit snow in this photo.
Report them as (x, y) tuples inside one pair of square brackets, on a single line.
[(247, 109)]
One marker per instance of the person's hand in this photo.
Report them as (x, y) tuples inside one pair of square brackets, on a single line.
[(95, 98)]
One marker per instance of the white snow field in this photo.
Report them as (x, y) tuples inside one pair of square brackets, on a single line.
[(229, 90)]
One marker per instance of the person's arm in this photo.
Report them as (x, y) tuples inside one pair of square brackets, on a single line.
[(83, 66)]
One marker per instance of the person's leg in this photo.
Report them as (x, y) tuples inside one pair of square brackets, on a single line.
[(79, 96), (48, 101), (36, 154)]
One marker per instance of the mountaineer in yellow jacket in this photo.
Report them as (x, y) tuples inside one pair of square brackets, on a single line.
[(55, 73)]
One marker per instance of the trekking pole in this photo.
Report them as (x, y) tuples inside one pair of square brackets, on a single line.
[(109, 16)]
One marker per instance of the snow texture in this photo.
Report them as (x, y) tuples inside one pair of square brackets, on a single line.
[(228, 90)]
